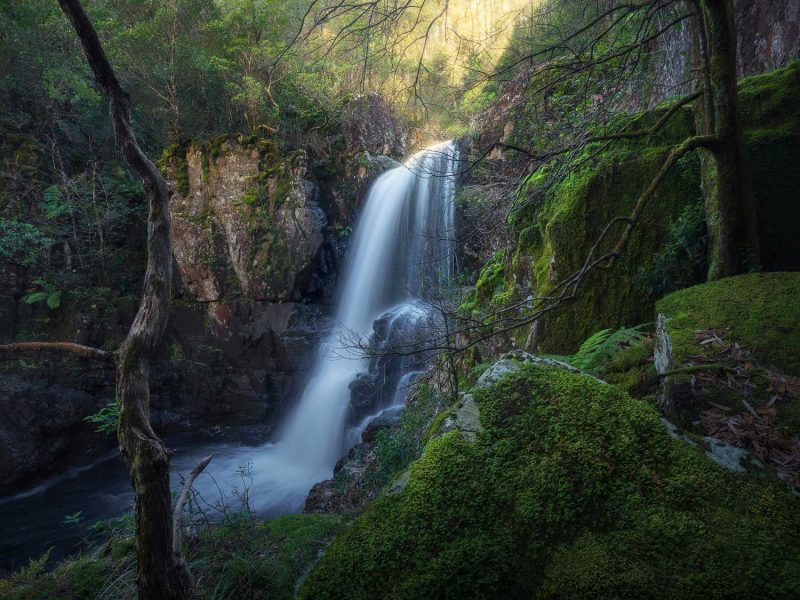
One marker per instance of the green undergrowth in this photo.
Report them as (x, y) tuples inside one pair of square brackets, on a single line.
[(241, 558), (572, 490)]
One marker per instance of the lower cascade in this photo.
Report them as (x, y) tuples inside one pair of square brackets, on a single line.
[(403, 241)]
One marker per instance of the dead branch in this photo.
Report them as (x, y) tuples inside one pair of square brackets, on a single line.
[(177, 515), (20, 349)]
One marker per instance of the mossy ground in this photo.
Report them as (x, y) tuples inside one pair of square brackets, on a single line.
[(573, 490), (761, 313), (760, 310)]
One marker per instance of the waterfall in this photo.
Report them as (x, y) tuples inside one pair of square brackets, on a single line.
[(403, 237), (402, 240)]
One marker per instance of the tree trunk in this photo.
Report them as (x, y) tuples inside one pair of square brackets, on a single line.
[(162, 573), (729, 201)]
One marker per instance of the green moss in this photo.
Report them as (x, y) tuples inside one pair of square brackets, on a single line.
[(174, 157), (572, 220), (770, 106), (558, 226), (762, 312), (573, 490), (492, 288)]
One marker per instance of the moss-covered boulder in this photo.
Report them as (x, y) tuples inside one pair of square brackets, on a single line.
[(572, 489), (733, 343), (758, 310), (770, 106), (556, 227)]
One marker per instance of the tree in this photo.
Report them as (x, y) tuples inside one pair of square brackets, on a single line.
[(163, 574), (602, 51)]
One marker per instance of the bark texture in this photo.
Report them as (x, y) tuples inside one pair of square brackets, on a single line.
[(162, 573), (730, 205)]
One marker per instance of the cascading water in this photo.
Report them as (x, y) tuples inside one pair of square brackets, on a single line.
[(404, 235), (401, 241)]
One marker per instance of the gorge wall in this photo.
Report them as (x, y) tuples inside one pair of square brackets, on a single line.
[(259, 234)]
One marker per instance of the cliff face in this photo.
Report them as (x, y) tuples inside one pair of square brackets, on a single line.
[(259, 235), (768, 38), (258, 240)]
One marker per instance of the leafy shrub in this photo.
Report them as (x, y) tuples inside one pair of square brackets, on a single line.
[(21, 243), (682, 262)]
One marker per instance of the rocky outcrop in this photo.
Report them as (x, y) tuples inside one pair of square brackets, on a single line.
[(393, 364), (235, 363), (246, 228), (368, 125), (43, 429)]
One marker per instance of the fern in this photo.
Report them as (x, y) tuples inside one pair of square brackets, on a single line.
[(52, 204), (604, 346), (106, 419), (47, 293)]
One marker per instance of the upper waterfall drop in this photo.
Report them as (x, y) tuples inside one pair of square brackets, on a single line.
[(403, 238)]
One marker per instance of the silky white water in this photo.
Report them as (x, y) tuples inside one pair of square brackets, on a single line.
[(404, 232), (402, 239)]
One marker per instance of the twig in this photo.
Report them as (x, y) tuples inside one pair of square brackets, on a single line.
[(177, 529)]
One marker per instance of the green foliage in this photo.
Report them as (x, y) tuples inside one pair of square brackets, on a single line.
[(47, 293), (683, 260), (22, 243), (259, 560), (604, 347), (396, 449), (106, 419), (15, 586), (573, 490), (52, 204)]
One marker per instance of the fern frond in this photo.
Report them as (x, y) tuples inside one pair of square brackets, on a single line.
[(604, 346)]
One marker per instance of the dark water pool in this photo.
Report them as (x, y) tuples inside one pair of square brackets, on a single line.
[(32, 521)]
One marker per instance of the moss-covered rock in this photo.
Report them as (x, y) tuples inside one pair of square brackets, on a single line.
[(556, 228), (571, 490), (757, 316), (770, 106), (760, 311)]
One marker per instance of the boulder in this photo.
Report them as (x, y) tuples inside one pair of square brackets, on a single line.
[(368, 125), (43, 430)]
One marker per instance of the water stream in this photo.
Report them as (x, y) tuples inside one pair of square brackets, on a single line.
[(403, 239)]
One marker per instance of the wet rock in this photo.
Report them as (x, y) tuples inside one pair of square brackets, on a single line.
[(43, 430), (368, 125), (342, 493), (382, 423), (390, 373)]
